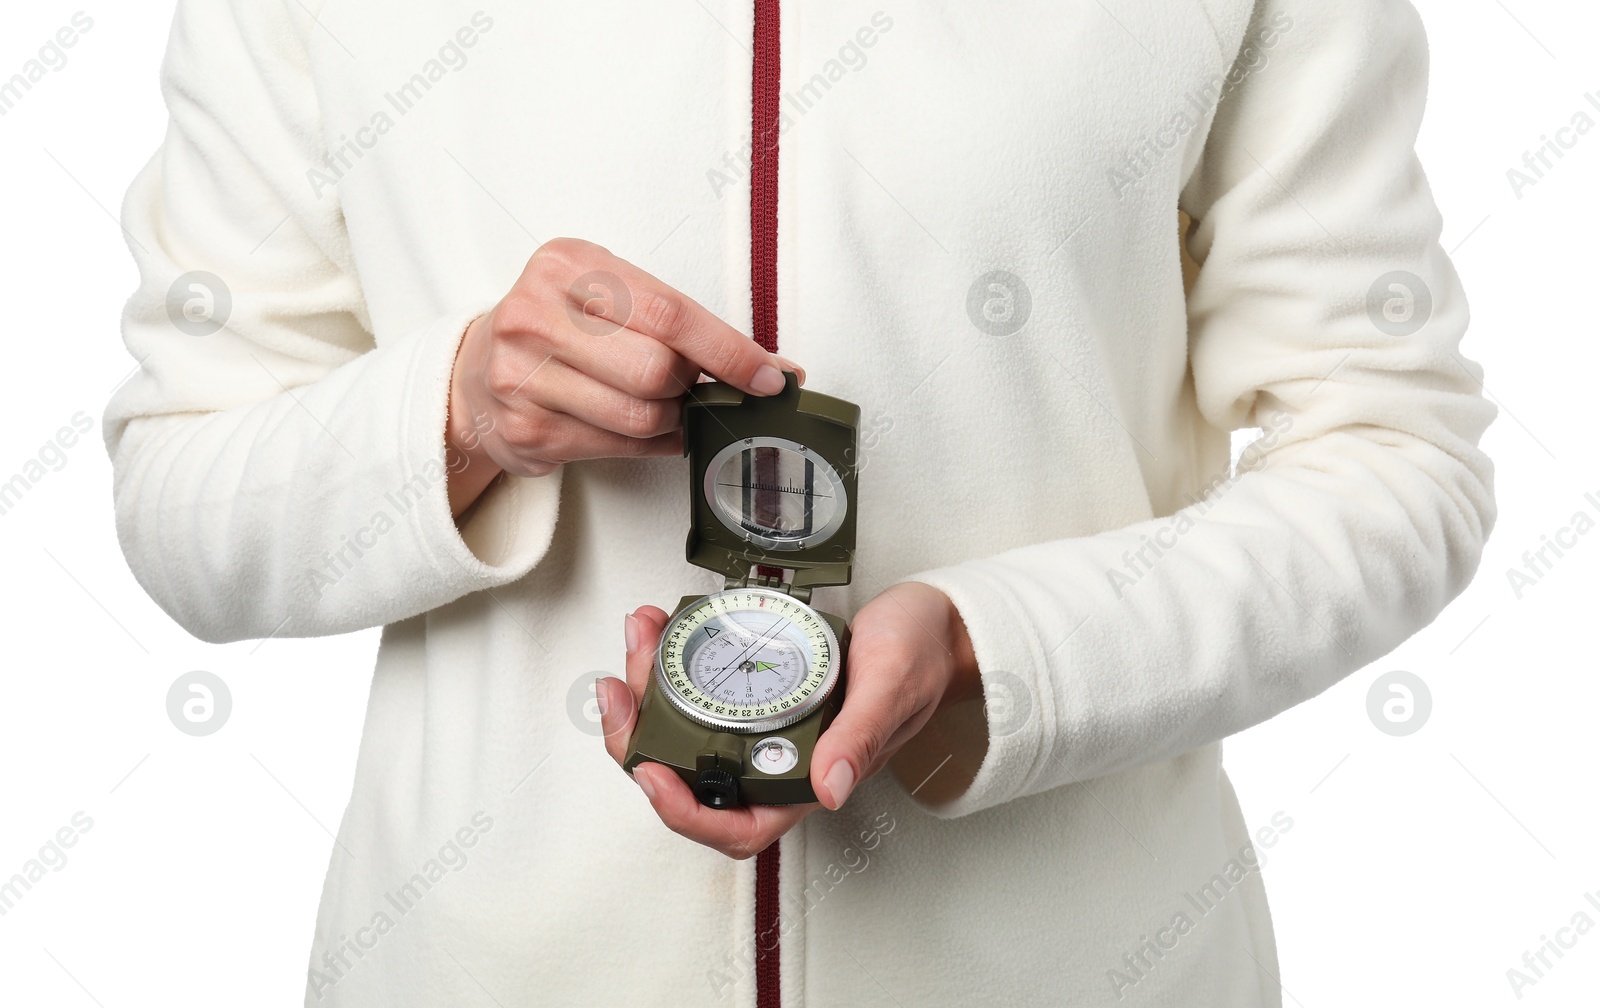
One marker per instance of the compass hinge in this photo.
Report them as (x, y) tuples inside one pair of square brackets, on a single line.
[(801, 593)]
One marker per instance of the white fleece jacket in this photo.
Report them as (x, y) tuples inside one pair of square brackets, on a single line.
[(1048, 447)]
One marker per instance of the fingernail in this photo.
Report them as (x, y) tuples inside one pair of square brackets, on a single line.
[(839, 781), (768, 380), (630, 632), (644, 784), (799, 371), (600, 696)]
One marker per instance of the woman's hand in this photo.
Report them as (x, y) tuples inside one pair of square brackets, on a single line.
[(909, 656), (588, 356)]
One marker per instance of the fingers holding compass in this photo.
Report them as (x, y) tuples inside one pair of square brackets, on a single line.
[(910, 655), (587, 356), (619, 701), (736, 832)]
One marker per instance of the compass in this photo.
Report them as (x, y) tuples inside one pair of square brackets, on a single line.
[(747, 678)]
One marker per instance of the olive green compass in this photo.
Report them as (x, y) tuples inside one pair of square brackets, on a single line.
[(746, 679)]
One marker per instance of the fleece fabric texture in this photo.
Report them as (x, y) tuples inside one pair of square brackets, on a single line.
[(976, 244)]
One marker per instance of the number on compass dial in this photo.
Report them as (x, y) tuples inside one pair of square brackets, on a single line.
[(748, 660)]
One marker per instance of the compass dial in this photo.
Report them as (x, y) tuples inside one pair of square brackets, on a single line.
[(747, 660)]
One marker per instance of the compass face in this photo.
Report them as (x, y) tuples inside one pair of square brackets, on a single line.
[(747, 660)]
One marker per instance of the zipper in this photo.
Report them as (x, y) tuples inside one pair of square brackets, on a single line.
[(765, 117)]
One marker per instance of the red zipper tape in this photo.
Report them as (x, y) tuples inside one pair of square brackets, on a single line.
[(764, 98)]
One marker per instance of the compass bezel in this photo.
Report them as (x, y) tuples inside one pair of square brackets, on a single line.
[(734, 723)]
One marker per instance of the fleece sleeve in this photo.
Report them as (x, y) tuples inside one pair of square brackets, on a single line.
[(1326, 313), (278, 469)]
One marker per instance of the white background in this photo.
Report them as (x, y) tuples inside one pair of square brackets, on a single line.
[(1419, 869)]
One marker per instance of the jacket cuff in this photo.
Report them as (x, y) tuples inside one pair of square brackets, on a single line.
[(502, 534)]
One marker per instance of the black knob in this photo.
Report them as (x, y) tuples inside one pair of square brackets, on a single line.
[(716, 788)]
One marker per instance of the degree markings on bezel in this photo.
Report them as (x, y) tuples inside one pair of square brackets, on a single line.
[(676, 665)]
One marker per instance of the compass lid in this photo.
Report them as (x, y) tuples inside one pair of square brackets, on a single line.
[(772, 481)]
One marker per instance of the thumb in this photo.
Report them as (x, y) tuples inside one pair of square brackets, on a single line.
[(875, 707), (619, 702), (641, 632)]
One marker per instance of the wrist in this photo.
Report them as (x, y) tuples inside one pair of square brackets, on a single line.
[(965, 681), (467, 460), (939, 617), (939, 763)]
